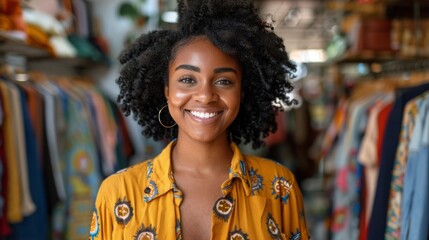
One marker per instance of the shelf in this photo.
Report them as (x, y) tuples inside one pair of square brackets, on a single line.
[(69, 62), (404, 65), (405, 9), (351, 6), (9, 44), (363, 57), (41, 58), (389, 8), (406, 3), (369, 57)]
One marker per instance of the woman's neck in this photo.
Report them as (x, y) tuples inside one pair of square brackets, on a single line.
[(200, 158)]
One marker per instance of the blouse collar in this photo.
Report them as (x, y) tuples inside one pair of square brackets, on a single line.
[(160, 179)]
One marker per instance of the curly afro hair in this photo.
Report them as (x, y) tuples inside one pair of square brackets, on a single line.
[(233, 26)]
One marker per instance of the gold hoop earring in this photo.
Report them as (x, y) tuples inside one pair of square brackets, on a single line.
[(159, 118)]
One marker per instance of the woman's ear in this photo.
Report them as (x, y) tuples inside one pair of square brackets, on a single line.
[(166, 92)]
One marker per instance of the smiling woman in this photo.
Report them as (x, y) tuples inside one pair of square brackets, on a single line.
[(203, 92), (217, 75)]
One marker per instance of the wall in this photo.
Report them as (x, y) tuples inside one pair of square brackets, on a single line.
[(115, 30)]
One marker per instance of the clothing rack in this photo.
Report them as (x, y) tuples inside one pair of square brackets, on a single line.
[(49, 123)]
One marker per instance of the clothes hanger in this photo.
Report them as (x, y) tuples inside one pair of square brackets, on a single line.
[(13, 73), (370, 87), (37, 76)]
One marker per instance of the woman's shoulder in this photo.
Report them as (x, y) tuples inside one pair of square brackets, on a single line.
[(268, 166), (135, 174), (272, 179)]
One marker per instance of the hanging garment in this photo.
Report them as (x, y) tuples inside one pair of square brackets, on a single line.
[(14, 193), (107, 131), (51, 114), (368, 157), (30, 227), (35, 105), (415, 202), (377, 224), (124, 148), (411, 111), (4, 225), (28, 207), (346, 199), (81, 173)]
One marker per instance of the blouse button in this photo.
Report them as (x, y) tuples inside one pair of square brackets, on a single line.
[(147, 190)]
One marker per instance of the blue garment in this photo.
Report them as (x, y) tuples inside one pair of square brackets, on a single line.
[(346, 202), (415, 203), (377, 222), (92, 110), (52, 171), (59, 211), (34, 226), (81, 166), (2, 200)]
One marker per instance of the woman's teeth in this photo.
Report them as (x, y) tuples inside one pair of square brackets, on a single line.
[(204, 115)]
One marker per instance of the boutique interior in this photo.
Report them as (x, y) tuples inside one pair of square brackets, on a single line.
[(357, 141)]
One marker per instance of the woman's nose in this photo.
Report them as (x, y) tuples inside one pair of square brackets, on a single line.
[(206, 94)]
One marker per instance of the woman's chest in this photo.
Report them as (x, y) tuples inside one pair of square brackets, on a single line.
[(235, 216)]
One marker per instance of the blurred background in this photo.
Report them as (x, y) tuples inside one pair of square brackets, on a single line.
[(61, 131)]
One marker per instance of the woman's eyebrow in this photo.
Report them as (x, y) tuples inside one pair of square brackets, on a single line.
[(197, 69), (188, 67), (224, 69)]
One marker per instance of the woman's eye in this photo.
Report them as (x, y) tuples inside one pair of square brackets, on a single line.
[(187, 80), (224, 82)]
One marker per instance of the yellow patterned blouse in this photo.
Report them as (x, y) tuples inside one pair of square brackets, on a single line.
[(261, 201)]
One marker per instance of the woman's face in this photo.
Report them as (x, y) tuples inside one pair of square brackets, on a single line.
[(204, 91)]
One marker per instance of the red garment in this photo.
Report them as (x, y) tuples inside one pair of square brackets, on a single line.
[(363, 229), (383, 115), (279, 135), (4, 226), (127, 146), (35, 107), (381, 121)]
